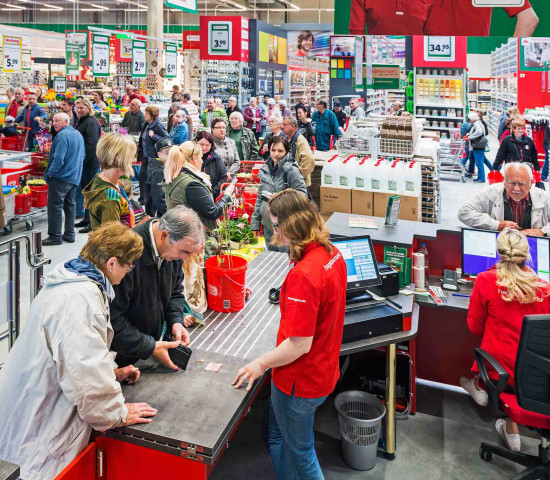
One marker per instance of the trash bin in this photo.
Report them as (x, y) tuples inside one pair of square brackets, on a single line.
[(360, 415)]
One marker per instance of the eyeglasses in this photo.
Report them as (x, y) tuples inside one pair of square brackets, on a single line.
[(517, 184), (276, 226)]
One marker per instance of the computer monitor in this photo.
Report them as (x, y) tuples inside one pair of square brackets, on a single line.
[(361, 263), (479, 252)]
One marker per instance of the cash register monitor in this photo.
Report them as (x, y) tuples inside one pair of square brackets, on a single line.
[(361, 264), (479, 252)]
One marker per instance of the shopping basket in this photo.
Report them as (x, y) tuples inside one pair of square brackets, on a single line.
[(248, 171), (15, 143), (245, 196)]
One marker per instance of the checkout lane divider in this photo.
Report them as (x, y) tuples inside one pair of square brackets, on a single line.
[(278, 279), (254, 310), (255, 276)]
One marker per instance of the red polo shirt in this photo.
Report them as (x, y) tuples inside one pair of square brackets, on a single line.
[(388, 17), (313, 304), (461, 18)]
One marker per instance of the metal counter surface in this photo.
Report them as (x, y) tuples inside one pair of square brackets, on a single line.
[(8, 471)]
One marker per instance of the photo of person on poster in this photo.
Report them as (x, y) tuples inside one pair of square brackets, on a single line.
[(433, 17), (305, 43)]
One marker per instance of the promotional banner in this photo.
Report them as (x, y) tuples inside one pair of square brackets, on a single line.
[(359, 59), (185, 5), (309, 43), (271, 48), (139, 58), (60, 84), (535, 54), (523, 18), (26, 63), (11, 54), (72, 58), (82, 38), (100, 56), (171, 61)]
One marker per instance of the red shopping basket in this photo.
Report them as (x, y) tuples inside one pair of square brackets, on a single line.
[(247, 168), (245, 194), (16, 143), (39, 195), (22, 203)]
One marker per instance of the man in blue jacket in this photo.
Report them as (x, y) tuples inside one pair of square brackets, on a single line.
[(327, 125), (63, 175), (31, 117)]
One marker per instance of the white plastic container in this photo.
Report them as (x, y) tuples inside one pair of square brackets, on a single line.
[(346, 172), (413, 178), (363, 173), (329, 172), (378, 178), (395, 179)]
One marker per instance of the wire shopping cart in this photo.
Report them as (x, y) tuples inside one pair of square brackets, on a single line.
[(452, 155), (245, 196)]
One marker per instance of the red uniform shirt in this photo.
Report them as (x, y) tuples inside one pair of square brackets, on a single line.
[(461, 18), (499, 322), (388, 17), (313, 304)]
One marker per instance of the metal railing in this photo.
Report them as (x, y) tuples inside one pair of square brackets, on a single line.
[(36, 261)]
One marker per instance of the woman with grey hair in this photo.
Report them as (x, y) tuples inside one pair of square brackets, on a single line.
[(180, 128), (245, 140), (285, 111), (275, 124), (225, 147), (253, 117)]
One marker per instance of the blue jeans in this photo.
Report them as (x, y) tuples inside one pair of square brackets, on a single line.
[(473, 164), (544, 173), (61, 198), (479, 156), (290, 438)]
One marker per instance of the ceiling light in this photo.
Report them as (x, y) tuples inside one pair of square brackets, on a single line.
[(16, 7), (12, 9), (235, 4), (92, 10), (99, 6), (53, 7)]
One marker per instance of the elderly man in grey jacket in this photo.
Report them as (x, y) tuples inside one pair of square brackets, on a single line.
[(516, 203)]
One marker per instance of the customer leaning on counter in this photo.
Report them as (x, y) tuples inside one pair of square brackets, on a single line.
[(516, 203), (305, 364), (60, 380)]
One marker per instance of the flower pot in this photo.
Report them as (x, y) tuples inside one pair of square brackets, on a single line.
[(235, 245)]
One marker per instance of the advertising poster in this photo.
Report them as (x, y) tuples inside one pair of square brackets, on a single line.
[(535, 54), (82, 38), (272, 49), (342, 46), (309, 43), (72, 58), (476, 18)]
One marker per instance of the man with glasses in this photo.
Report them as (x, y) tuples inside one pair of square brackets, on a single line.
[(516, 203), (226, 148), (148, 311)]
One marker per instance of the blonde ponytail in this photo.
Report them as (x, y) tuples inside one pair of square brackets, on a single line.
[(178, 158), (519, 283)]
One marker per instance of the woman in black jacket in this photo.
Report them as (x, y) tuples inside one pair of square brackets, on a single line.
[(517, 147), (151, 134), (89, 128), (305, 126), (212, 164)]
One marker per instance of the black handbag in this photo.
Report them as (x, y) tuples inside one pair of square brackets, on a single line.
[(479, 143)]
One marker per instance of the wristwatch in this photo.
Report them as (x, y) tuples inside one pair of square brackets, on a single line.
[(545, 230)]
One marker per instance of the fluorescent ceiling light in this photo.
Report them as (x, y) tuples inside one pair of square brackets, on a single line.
[(235, 4), (99, 6), (12, 9), (53, 7), (92, 10), (16, 7)]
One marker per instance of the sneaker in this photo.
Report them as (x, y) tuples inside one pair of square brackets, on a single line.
[(479, 396), (274, 294), (512, 440)]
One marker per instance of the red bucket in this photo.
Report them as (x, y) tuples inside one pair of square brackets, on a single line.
[(22, 203), (39, 195), (225, 281)]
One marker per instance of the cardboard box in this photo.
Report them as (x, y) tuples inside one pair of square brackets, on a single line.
[(411, 206), (335, 200), (433, 134), (362, 202)]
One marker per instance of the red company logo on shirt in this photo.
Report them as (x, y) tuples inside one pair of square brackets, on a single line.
[(329, 265)]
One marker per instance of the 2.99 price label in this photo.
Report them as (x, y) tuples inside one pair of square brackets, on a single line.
[(139, 61)]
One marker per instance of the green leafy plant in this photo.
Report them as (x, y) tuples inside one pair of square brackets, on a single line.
[(236, 230)]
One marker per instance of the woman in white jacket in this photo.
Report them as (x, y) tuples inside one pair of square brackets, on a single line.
[(60, 380)]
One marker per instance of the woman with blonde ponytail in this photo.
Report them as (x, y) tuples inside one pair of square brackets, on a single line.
[(502, 296), (186, 185)]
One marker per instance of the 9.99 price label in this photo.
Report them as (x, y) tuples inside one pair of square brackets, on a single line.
[(100, 56), (139, 59)]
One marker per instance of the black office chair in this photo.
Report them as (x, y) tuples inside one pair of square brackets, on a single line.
[(530, 404)]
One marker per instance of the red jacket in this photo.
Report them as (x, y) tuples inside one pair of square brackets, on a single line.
[(499, 322)]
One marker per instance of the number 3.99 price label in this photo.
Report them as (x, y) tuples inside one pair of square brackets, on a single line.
[(437, 49), (11, 54), (100, 56), (139, 59)]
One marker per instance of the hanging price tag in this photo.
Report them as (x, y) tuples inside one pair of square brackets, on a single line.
[(26, 60), (100, 56), (139, 59), (220, 38), (126, 48), (437, 49), (171, 57), (11, 54), (60, 84)]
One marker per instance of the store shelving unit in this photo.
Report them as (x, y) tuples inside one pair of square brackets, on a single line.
[(308, 76), (376, 102), (479, 94), (224, 79), (440, 98), (192, 73)]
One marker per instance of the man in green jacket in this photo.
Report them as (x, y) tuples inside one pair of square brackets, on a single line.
[(212, 112), (245, 140)]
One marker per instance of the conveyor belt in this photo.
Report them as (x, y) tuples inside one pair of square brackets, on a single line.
[(252, 331)]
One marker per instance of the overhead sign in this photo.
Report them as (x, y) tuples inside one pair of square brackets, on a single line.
[(438, 49), (220, 40), (72, 58), (359, 58), (185, 5), (385, 77), (100, 56), (171, 58), (126, 49), (11, 54), (82, 37), (60, 84), (26, 62), (139, 58)]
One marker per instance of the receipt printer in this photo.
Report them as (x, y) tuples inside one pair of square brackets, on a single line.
[(390, 281)]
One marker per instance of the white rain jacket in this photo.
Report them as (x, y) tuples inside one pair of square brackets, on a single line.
[(486, 209), (58, 381)]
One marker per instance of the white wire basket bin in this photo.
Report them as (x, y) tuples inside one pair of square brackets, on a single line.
[(391, 147), (358, 145)]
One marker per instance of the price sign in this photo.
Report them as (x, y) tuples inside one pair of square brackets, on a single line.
[(72, 58), (60, 84), (185, 5), (100, 56), (498, 3), (438, 49), (26, 60), (126, 48), (139, 58), (220, 38), (11, 54), (171, 57), (359, 60)]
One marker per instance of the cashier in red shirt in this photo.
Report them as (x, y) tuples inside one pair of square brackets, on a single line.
[(460, 17), (305, 364), (388, 17)]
